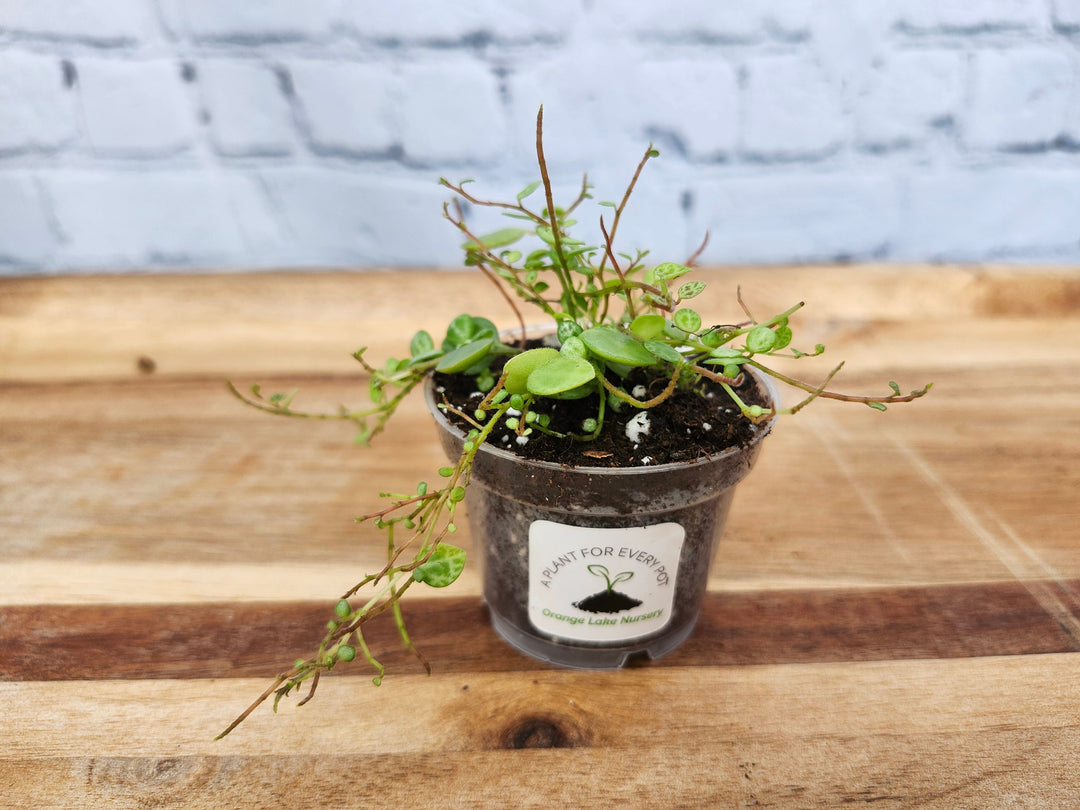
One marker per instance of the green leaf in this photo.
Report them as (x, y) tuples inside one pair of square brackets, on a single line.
[(544, 232), (688, 320), (735, 359), (463, 357), (783, 337), (877, 406), (442, 568), (568, 328), (425, 357), (574, 347), (760, 339), (691, 289), (669, 270), (529, 189), (646, 327), (459, 332), (500, 238), (560, 375), (421, 343), (663, 351), (894, 386), (482, 327), (520, 366), (613, 345)]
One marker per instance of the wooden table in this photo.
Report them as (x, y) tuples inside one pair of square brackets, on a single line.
[(892, 618)]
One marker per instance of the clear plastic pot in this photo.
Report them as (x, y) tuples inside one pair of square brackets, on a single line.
[(587, 566)]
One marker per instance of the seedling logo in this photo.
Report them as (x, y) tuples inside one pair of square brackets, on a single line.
[(609, 600)]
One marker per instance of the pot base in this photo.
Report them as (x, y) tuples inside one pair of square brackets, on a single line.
[(564, 654)]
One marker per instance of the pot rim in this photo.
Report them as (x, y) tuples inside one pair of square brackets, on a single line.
[(764, 429)]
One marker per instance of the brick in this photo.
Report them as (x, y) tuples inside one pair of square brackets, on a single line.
[(117, 22), (698, 21), (995, 213), (796, 217), (421, 20), (910, 93), (968, 16), (135, 108), (695, 101), (689, 104), (143, 219), (583, 128), (450, 112), (1020, 98), (37, 110), (733, 22), (26, 240), (248, 113), (346, 107), (345, 218), (253, 21), (791, 109), (1066, 14)]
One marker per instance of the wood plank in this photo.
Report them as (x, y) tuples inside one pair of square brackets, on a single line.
[(75, 327), (164, 477), (925, 733), (893, 616), (746, 628)]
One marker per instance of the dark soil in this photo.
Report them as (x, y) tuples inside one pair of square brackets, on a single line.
[(689, 425), (607, 602)]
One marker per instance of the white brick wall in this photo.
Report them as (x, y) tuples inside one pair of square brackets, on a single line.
[(270, 133)]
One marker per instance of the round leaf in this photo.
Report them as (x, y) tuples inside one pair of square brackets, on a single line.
[(561, 374), (783, 337), (568, 329), (465, 356), (520, 366), (421, 343), (459, 332), (760, 339), (613, 345), (574, 347), (443, 566), (687, 320), (646, 327)]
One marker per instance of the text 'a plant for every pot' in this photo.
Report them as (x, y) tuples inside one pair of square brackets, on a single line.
[(586, 565)]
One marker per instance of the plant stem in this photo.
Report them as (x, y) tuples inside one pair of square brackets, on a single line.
[(562, 269)]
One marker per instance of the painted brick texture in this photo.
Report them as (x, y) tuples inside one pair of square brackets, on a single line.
[(172, 134)]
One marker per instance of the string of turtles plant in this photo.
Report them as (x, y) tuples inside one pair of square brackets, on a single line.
[(613, 314)]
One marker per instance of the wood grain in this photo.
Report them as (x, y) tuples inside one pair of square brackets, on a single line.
[(892, 616)]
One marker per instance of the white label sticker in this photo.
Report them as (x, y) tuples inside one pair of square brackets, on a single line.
[(612, 585)]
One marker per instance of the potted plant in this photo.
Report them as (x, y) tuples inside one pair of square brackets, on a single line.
[(600, 451)]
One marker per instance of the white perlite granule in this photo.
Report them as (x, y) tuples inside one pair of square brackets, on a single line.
[(639, 392), (638, 427)]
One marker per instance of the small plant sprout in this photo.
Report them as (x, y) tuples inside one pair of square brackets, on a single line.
[(617, 320), (602, 571)]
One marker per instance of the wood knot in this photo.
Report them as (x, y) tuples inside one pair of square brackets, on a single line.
[(540, 732)]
